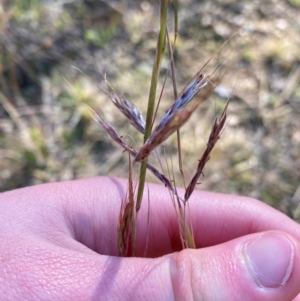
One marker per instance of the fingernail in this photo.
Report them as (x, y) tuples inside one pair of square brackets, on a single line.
[(270, 260)]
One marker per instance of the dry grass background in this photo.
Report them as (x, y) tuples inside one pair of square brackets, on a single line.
[(47, 134)]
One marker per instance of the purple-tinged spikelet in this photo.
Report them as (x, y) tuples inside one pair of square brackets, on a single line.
[(199, 81), (114, 135)]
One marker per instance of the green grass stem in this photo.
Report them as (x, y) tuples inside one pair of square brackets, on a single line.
[(160, 48)]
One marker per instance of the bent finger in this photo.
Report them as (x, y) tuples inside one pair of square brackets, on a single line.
[(89, 210)]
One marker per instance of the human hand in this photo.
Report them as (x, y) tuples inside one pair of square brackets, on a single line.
[(59, 242)]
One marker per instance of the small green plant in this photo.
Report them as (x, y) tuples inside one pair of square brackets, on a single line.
[(100, 38)]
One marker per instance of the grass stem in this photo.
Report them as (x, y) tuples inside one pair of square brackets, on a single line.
[(152, 94)]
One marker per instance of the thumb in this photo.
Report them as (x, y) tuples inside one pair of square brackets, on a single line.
[(263, 266)]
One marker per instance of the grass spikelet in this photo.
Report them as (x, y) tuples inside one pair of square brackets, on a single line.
[(131, 112), (212, 140), (175, 119), (114, 135), (126, 223), (187, 94)]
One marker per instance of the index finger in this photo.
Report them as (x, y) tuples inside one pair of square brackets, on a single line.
[(91, 208)]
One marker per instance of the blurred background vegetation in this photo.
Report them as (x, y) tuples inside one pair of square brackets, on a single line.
[(53, 55)]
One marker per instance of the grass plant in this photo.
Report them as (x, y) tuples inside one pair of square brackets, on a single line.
[(176, 116)]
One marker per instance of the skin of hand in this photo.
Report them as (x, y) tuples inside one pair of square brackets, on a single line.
[(59, 242)]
